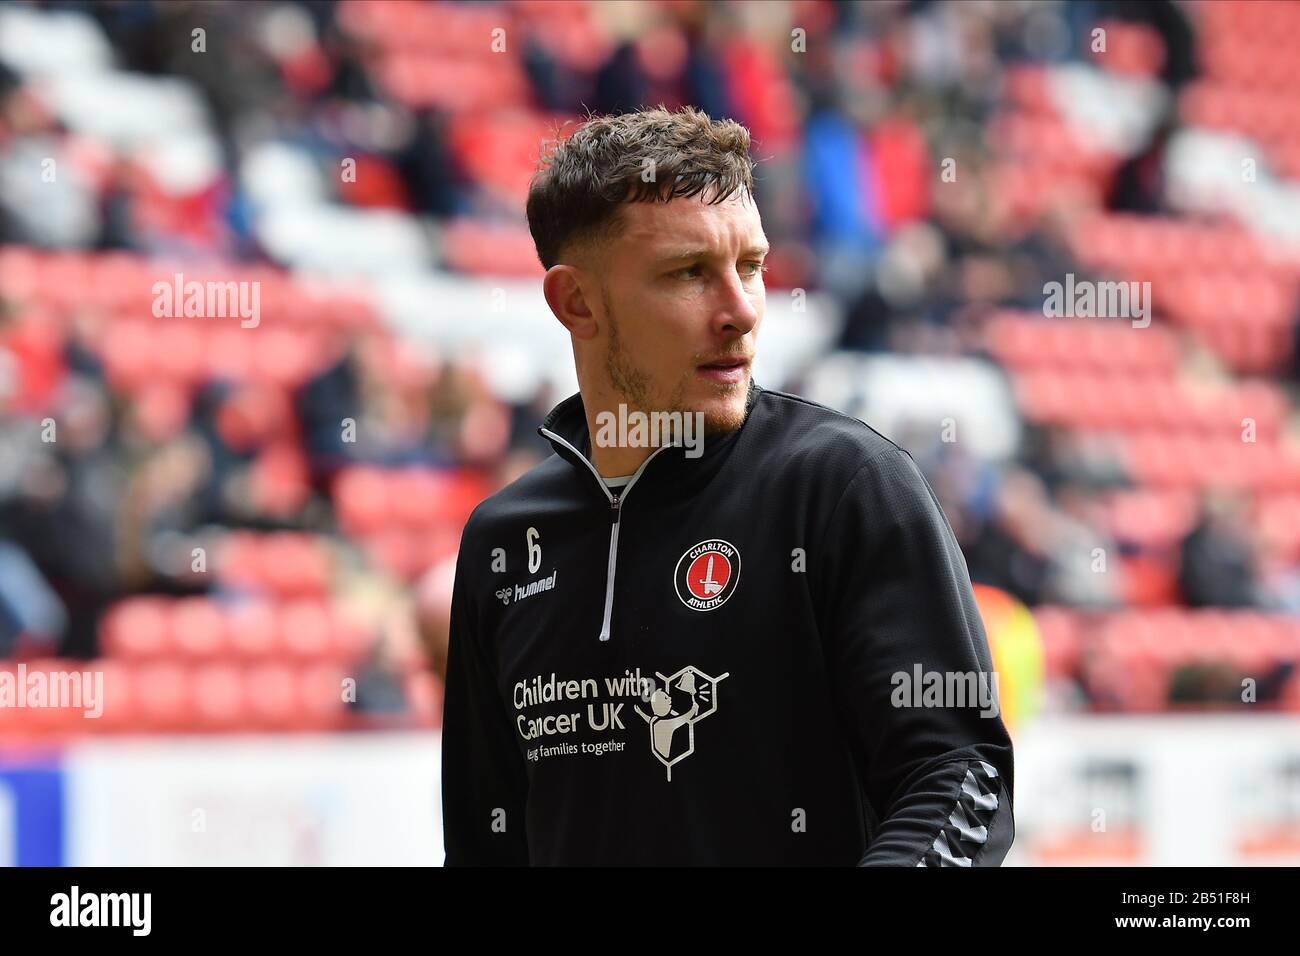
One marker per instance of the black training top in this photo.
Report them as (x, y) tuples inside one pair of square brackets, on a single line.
[(768, 653)]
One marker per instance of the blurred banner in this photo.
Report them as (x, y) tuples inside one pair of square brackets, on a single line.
[(265, 801), (1159, 791), (31, 812), (1108, 791)]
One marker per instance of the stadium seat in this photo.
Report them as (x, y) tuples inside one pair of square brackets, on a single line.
[(137, 628), (219, 702), (163, 694), (197, 629), (254, 632), (271, 697)]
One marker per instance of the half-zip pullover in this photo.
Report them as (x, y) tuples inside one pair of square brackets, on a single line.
[(769, 654)]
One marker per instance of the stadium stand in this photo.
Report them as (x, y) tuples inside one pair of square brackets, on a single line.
[(209, 532)]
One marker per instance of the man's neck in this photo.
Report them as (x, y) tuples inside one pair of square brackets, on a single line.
[(615, 457), (614, 461)]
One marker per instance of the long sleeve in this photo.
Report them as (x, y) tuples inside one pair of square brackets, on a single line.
[(908, 657), (484, 781)]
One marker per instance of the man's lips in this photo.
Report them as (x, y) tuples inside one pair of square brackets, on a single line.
[(727, 371)]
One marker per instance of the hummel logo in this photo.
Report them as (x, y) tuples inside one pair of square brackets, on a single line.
[(519, 592)]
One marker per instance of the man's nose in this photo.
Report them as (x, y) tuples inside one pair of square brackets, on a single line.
[(740, 307)]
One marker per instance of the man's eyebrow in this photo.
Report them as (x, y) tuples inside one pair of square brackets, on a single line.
[(672, 255)]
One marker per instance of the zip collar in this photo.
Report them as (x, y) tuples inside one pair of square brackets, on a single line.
[(566, 429)]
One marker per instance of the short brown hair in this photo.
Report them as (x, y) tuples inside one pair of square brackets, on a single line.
[(577, 191)]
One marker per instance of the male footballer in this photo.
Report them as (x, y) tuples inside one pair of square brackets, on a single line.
[(747, 638)]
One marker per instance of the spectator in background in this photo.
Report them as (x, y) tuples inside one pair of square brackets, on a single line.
[(63, 515), (433, 613), (1082, 554), (1216, 561), (1139, 183), (1008, 548), (30, 612), (855, 134)]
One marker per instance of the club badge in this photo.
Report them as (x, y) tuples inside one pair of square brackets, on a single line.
[(707, 574)]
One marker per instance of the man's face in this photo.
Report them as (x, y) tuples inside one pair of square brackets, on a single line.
[(683, 298)]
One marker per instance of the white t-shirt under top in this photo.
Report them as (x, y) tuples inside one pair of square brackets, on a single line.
[(616, 482)]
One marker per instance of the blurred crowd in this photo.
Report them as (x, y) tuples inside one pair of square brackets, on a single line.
[(851, 133)]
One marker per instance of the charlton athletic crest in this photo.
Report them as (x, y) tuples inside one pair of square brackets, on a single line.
[(707, 574)]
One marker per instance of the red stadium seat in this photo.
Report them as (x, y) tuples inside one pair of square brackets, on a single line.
[(499, 150), (119, 711), (57, 702), (230, 354), (286, 358), (177, 349), (127, 355), (294, 565), (306, 630), (280, 480), (253, 628), (271, 696), (1060, 630), (398, 551), (198, 629), (137, 628), (163, 694), (424, 697), (485, 248), (361, 497), (415, 494), (219, 698), (321, 694)]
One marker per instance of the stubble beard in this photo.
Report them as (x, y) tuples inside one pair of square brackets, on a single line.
[(635, 386)]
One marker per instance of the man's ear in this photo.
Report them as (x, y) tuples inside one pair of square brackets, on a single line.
[(564, 293)]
